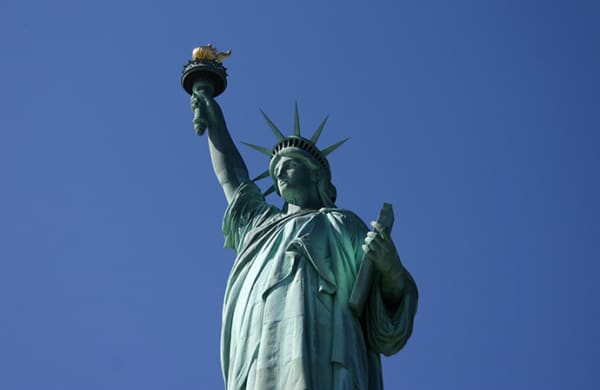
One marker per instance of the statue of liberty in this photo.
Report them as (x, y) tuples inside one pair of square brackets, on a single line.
[(287, 323)]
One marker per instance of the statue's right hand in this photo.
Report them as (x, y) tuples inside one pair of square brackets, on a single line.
[(200, 107), (195, 102), (207, 113)]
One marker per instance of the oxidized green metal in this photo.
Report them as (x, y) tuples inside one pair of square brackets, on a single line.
[(205, 71), (289, 321)]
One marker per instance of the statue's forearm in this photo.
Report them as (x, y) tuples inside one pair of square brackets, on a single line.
[(393, 284), (227, 162)]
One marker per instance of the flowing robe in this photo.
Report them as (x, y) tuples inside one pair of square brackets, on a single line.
[(286, 320)]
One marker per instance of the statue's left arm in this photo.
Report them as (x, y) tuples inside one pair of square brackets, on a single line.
[(394, 296), (380, 249)]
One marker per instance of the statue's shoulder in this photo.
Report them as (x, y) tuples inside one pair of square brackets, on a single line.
[(248, 207), (344, 217)]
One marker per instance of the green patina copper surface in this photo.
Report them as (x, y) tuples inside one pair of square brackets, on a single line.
[(287, 321)]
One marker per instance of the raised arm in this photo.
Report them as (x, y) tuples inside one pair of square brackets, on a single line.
[(227, 162)]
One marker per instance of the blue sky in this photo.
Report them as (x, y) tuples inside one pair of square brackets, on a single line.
[(478, 120)]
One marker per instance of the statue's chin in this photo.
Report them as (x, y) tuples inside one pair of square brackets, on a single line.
[(288, 195)]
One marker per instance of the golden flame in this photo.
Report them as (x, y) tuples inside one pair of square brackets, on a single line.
[(208, 52)]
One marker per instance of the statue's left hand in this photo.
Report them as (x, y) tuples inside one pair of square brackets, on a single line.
[(380, 249)]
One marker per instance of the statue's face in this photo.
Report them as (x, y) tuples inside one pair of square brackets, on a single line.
[(295, 181)]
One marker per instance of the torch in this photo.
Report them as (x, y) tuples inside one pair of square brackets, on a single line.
[(204, 73)]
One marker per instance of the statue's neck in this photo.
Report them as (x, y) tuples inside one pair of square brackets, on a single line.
[(295, 208)]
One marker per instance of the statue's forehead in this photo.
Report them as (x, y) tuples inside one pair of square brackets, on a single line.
[(297, 157), (286, 159), (292, 154)]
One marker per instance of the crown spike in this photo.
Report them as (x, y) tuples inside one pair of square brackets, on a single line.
[(258, 148), (333, 147), (261, 176), (296, 121), (276, 131), (317, 134), (269, 191)]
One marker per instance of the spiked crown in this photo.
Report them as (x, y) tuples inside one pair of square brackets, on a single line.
[(295, 144)]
